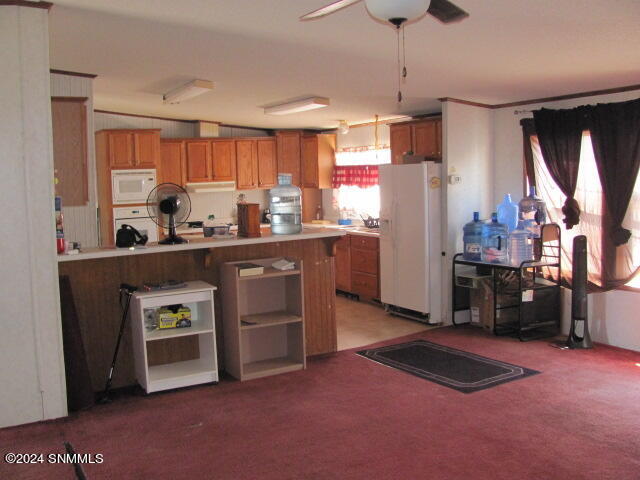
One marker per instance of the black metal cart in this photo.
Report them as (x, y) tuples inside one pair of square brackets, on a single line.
[(525, 298)]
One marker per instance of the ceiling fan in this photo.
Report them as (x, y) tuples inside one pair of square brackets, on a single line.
[(397, 13)]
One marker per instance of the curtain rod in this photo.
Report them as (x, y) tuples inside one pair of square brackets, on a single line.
[(520, 112)]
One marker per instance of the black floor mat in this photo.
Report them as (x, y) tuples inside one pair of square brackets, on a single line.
[(462, 371)]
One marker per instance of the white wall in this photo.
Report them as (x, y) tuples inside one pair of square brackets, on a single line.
[(170, 128), (81, 222), (32, 383), (467, 141), (223, 204), (614, 317)]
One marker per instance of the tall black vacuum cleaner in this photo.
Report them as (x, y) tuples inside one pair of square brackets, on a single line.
[(579, 310)]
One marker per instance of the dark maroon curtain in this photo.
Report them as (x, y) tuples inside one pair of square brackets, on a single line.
[(528, 129), (615, 136), (560, 136)]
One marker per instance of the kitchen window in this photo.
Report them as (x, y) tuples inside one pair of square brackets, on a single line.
[(356, 190)]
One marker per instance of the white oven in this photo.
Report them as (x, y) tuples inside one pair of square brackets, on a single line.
[(132, 186), (138, 218)]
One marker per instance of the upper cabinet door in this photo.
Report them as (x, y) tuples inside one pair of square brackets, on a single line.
[(310, 161), (171, 162), (147, 149), (425, 138), (267, 164), (400, 136), (198, 161), (121, 154), (289, 155), (223, 154), (246, 164)]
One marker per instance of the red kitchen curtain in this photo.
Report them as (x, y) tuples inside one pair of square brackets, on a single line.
[(362, 176)]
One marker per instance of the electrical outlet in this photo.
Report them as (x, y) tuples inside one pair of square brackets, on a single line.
[(455, 179)]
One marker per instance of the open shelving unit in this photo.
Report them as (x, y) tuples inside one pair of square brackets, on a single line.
[(263, 320), (198, 296)]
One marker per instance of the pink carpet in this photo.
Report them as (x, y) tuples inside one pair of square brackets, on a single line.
[(347, 417)]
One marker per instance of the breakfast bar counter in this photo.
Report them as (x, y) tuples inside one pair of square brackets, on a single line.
[(95, 276)]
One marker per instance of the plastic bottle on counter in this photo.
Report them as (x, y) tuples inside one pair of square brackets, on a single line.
[(472, 239), (532, 208), (494, 241), (285, 204), (508, 213)]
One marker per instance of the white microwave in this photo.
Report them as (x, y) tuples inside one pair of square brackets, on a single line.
[(132, 186)]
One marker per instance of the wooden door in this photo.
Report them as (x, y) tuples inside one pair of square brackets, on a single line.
[(267, 163), (246, 164), (289, 155), (400, 137), (425, 138), (309, 147), (198, 161), (171, 162), (343, 264), (69, 124), (438, 123), (121, 154), (223, 157), (147, 149)]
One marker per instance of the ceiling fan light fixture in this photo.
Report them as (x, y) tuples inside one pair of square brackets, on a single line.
[(297, 106), (395, 11), (187, 91)]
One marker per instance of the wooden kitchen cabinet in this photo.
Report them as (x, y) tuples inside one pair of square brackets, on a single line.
[(131, 148), (69, 125), (223, 160), (197, 161), (343, 264), (172, 157), (318, 159), (420, 137), (358, 265), (246, 164), (267, 162), (289, 151)]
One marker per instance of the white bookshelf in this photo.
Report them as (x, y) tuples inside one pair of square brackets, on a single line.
[(263, 318), (198, 296)]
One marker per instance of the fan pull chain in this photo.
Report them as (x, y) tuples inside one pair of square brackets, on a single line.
[(398, 55), (404, 58)]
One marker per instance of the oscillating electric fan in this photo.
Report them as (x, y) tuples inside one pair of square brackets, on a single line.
[(169, 206)]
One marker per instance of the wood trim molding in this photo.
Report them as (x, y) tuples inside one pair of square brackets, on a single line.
[(466, 102), (72, 74), (592, 93), (70, 99), (25, 3), (144, 116)]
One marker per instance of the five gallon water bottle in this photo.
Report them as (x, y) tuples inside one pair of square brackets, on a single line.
[(285, 203), (494, 241), (472, 239), (533, 212), (508, 213), (520, 247)]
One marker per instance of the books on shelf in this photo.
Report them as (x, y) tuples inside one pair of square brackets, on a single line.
[(284, 264), (248, 269)]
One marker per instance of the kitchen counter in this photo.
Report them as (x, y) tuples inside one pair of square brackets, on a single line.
[(350, 229), (96, 274), (197, 243)]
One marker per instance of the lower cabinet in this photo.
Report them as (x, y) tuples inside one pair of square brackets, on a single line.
[(358, 265)]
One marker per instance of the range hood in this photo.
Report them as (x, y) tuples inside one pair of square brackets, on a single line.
[(208, 187)]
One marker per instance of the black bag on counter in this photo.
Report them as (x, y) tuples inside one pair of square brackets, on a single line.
[(127, 237)]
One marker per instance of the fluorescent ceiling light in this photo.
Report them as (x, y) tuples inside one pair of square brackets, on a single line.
[(187, 91), (296, 106)]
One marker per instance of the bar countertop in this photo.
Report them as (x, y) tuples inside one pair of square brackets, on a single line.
[(202, 243)]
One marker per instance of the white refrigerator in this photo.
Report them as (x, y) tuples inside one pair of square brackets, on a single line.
[(410, 240)]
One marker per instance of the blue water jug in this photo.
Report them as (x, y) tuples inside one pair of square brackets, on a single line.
[(285, 204), (532, 212), (494, 241), (520, 247), (508, 213), (472, 239)]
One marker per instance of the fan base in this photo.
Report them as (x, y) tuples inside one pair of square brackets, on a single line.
[(173, 240)]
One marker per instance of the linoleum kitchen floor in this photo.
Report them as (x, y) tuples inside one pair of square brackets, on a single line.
[(361, 323)]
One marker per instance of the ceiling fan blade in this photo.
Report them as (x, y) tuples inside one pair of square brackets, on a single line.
[(446, 12), (327, 9)]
